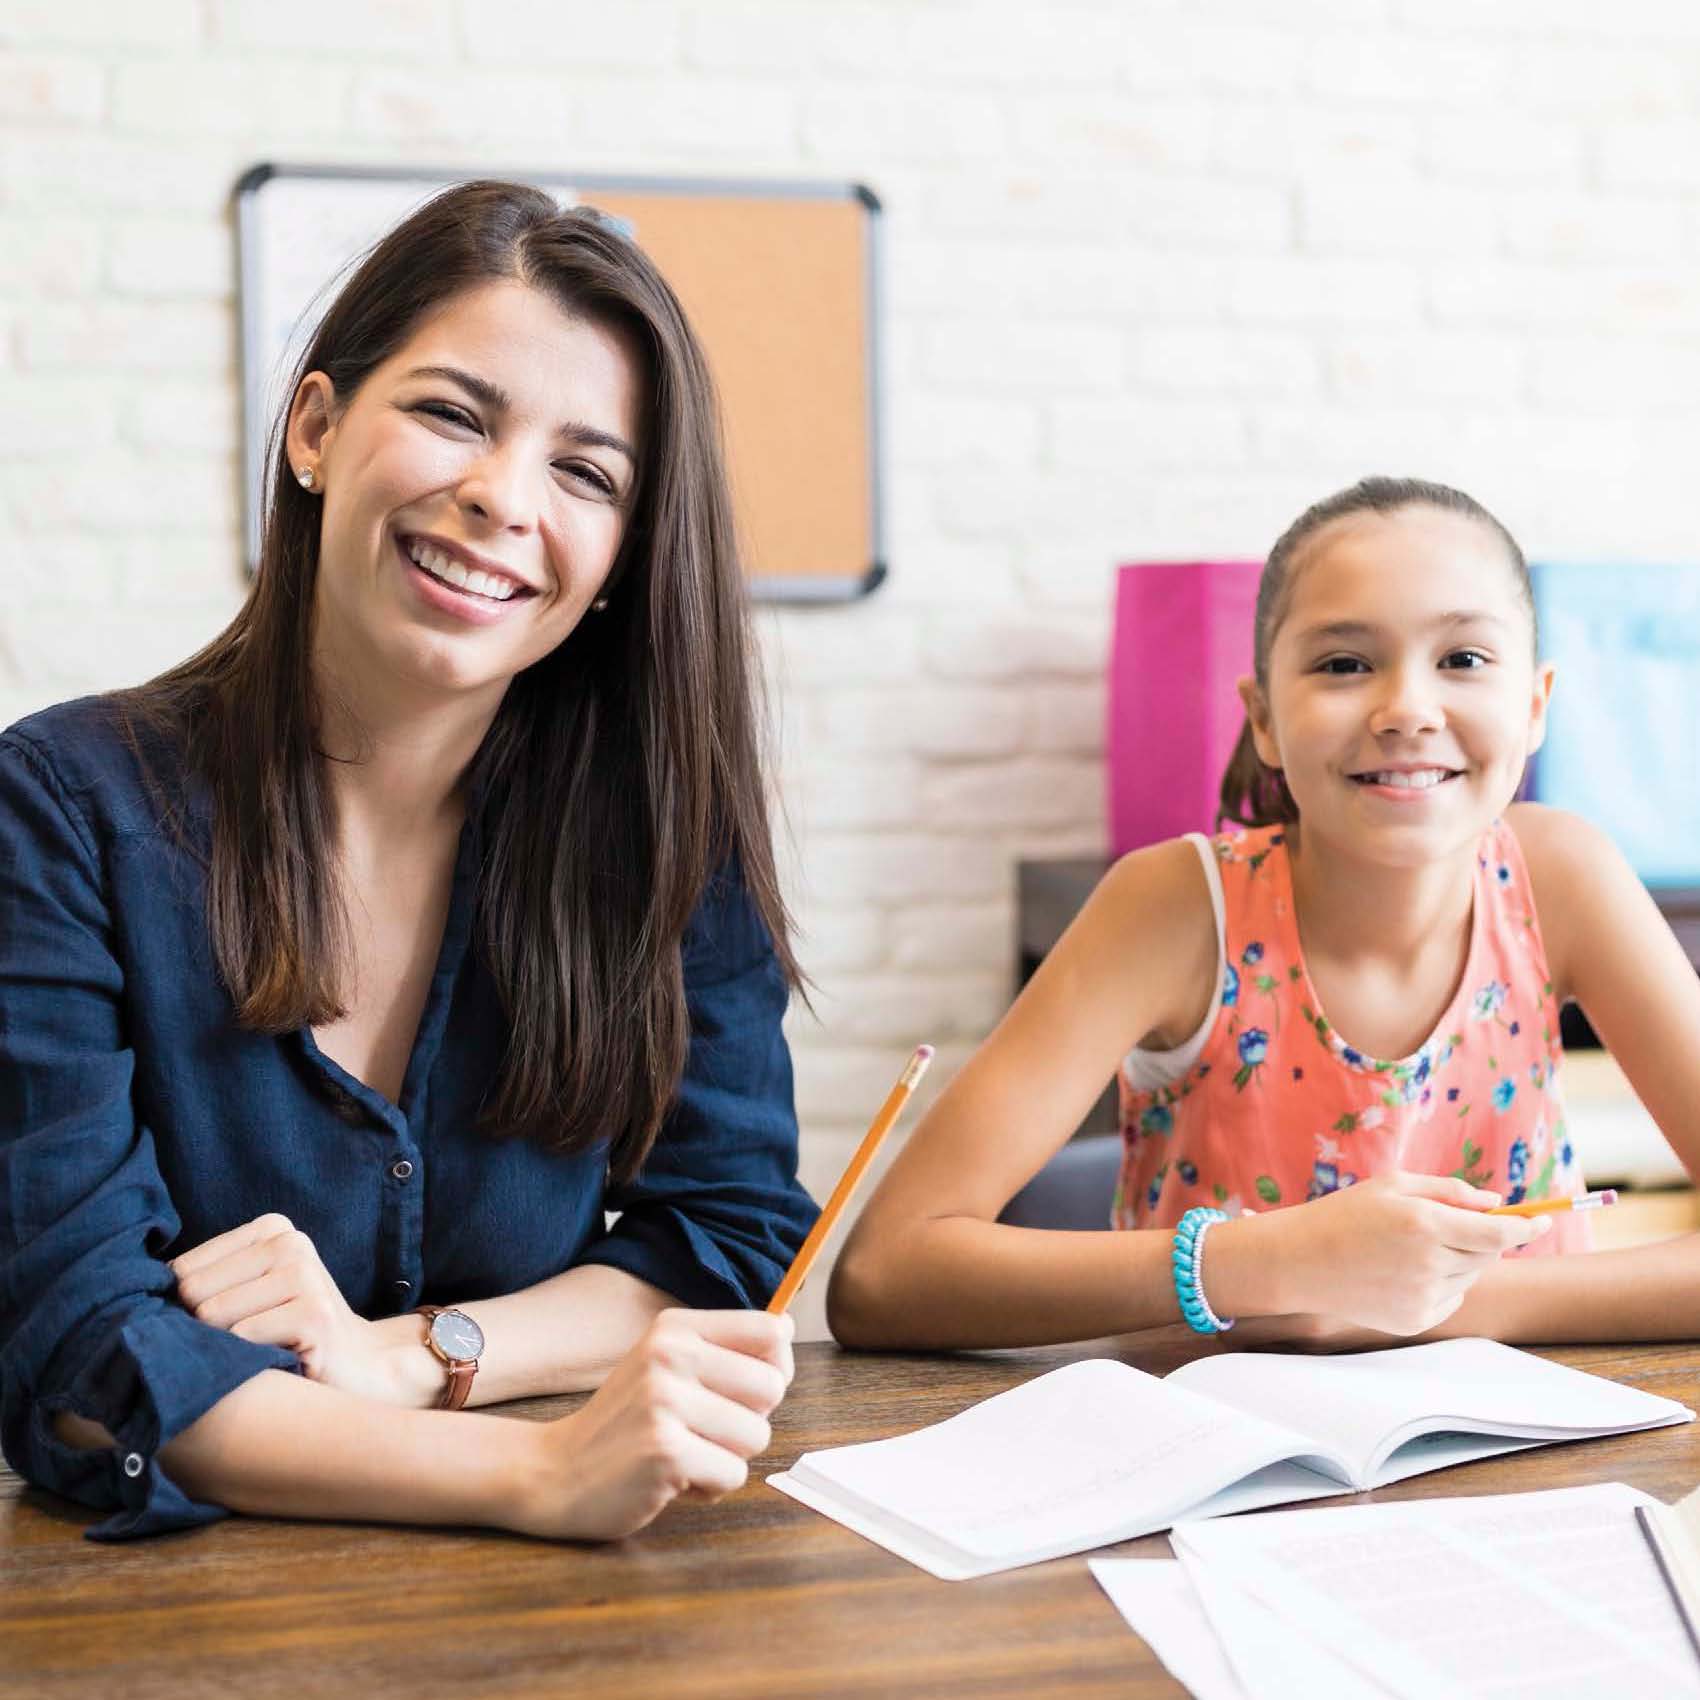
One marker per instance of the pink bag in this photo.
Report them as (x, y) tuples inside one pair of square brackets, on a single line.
[(1182, 643)]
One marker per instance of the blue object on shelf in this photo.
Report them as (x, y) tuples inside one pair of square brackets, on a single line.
[(1623, 734)]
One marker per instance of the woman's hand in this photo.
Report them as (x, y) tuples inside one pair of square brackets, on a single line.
[(682, 1413), (1396, 1254), (264, 1281)]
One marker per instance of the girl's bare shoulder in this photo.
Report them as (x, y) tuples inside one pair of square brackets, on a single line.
[(1560, 848), (1578, 877), (1157, 903), (1159, 883)]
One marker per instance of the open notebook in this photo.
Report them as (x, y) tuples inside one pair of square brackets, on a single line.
[(1100, 1452)]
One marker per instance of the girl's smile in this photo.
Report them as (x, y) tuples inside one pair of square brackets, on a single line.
[(1405, 785)]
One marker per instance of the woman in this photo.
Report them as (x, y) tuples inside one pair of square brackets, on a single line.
[(351, 971)]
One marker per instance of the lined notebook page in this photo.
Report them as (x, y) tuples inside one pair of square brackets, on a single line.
[(1087, 1448)]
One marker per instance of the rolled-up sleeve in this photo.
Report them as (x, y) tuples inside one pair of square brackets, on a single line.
[(717, 1212), (88, 1323)]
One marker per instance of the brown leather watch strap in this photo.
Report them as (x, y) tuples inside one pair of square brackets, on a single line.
[(461, 1370)]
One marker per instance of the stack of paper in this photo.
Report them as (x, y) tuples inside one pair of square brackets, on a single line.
[(1516, 1595)]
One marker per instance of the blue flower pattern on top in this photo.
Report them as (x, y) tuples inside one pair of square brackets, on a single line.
[(1253, 1047), (1326, 1178), (1516, 1171)]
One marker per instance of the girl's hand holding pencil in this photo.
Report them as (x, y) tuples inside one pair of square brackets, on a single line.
[(1396, 1254)]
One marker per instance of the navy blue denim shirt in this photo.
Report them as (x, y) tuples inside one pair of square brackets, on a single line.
[(137, 1119)]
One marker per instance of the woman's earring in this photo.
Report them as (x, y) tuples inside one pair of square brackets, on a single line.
[(305, 478), (599, 604)]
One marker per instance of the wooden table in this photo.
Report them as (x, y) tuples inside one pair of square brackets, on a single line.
[(752, 1597)]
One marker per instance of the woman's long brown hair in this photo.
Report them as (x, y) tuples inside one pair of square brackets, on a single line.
[(1253, 793), (621, 772)]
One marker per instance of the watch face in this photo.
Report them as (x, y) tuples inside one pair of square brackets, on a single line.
[(457, 1335)]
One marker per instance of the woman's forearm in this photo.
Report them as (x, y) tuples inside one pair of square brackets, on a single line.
[(1646, 1292), (685, 1411), (282, 1446), (562, 1336)]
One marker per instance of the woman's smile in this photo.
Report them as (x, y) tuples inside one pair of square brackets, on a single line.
[(441, 577)]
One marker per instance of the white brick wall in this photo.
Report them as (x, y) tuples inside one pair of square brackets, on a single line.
[(1159, 275)]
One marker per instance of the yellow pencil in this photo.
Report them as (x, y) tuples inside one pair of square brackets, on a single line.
[(1547, 1206), (890, 1110)]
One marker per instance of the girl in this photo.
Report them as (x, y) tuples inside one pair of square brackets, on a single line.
[(351, 971), (1343, 1018)]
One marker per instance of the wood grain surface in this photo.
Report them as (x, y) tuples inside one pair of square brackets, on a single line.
[(753, 1596)]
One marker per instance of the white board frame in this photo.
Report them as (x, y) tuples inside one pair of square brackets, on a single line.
[(301, 228)]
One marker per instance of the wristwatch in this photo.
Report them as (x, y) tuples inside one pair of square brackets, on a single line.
[(459, 1342)]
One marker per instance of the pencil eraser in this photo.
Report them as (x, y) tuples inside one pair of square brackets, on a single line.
[(924, 1052)]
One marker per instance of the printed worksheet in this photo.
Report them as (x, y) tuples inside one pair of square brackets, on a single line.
[(1506, 1597)]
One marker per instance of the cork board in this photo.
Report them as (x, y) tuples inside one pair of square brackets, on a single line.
[(779, 281)]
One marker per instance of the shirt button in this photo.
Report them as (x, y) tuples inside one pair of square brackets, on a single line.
[(403, 1288), (402, 1170), (134, 1464)]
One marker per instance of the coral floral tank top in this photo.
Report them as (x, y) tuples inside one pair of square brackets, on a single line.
[(1267, 1105)]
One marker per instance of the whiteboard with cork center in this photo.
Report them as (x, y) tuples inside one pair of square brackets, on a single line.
[(779, 281)]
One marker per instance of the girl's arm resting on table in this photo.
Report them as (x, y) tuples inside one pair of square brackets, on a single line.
[(1644, 1292)]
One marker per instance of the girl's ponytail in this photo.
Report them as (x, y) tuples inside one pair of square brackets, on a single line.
[(1253, 794)]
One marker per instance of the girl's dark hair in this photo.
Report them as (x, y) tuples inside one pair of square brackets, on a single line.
[(621, 771), (1253, 793)]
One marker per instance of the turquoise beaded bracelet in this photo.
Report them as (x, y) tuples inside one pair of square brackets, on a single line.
[(1188, 1260)]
